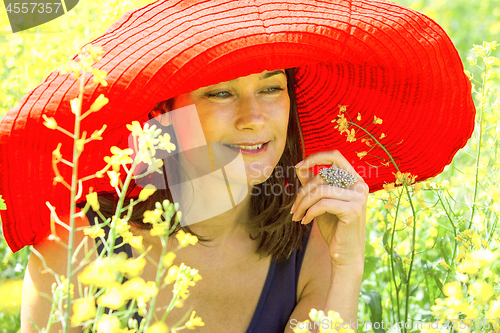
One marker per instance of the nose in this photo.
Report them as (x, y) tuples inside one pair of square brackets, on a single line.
[(250, 113)]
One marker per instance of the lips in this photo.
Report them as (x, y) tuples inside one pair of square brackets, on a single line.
[(249, 149)]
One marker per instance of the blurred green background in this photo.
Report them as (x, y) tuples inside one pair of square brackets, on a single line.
[(27, 57)]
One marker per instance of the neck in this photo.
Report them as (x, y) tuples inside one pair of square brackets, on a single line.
[(214, 205)]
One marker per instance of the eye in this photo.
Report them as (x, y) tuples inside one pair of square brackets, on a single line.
[(220, 94), (272, 90)]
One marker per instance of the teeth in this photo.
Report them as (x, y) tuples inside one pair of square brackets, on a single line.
[(247, 147)]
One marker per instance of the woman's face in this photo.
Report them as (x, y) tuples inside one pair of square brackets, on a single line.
[(249, 112)]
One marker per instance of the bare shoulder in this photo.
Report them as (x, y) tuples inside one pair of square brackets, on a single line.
[(48, 259), (316, 268)]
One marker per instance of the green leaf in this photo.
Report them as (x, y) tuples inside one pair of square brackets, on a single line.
[(374, 301), (399, 266), (385, 240), (442, 248), (2, 204)]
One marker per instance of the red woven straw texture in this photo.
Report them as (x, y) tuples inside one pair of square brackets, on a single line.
[(376, 57)]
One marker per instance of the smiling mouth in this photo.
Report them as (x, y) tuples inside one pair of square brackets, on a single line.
[(247, 147), (255, 149)]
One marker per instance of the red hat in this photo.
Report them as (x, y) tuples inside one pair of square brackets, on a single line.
[(378, 58)]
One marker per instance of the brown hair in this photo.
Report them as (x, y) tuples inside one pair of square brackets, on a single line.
[(270, 223)]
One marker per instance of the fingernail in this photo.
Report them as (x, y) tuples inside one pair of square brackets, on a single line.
[(293, 209), (293, 217), (299, 164)]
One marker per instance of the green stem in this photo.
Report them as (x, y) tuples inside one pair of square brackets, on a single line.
[(478, 148), (159, 274), (112, 232), (455, 242), (378, 143), (74, 185), (398, 288), (407, 305)]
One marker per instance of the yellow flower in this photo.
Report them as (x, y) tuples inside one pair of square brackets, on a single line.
[(462, 277), (444, 264), (482, 290), (409, 221), (453, 289), (99, 77), (469, 267), (185, 238), (377, 120), (165, 143), (168, 259), (484, 257), (389, 187), (119, 157), (83, 309), (94, 232), (159, 229), (75, 105), (194, 322), (158, 327), (382, 136), (155, 166), (109, 324), (137, 287), (146, 192), (172, 274), (135, 242), (49, 122), (135, 128), (152, 216), (92, 200), (94, 51), (114, 178), (342, 123), (132, 268), (113, 299), (102, 272), (417, 187), (351, 135), (99, 103), (362, 154), (359, 116)]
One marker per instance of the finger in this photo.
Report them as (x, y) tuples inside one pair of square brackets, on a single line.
[(312, 187), (314, 193), (332, 157), (333, 206)]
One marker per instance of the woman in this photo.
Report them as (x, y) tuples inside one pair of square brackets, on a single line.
[(228, 59)]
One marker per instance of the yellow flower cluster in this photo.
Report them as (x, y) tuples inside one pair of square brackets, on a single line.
[(136, 288), (160, 217), (184, 277), (472, 295), (123, 229)]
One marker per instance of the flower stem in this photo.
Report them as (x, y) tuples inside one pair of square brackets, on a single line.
[(74, 185), (478, 146)]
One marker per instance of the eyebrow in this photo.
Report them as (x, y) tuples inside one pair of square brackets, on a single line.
[(267, 75)]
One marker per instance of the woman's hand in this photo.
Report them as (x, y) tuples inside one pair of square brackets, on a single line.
[(340, 213)]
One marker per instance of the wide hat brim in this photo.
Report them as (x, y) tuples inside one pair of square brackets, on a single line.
[(378, 58)]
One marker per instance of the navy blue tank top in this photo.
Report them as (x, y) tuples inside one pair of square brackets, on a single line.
[(278, 297)]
